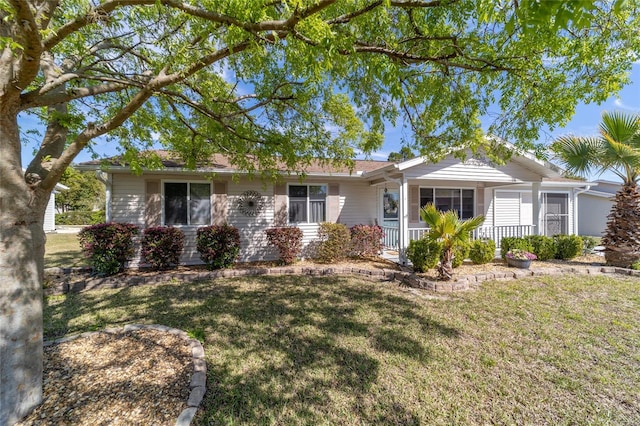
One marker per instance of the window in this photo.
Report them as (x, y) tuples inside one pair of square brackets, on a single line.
[(307, 203), (459, 200), (187, 203)]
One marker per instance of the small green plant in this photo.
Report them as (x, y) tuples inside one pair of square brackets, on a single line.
[(543, 247), (460, 253), (568, 246), (482, 251), (588, 244), (108, 246), (162, 246), (424, 253), (218, 245), (335, 242), (288, 242), (508, 243), (197, 333), (636, 265)]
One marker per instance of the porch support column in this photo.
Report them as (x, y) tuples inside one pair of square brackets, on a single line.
[(535, 205), (403, 223)]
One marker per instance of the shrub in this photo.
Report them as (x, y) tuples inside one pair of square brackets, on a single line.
[(335, 241), (218, 245), (543, 247), (482, 251), (366, 240), (589, 243), (460, 253), (162, 246), (108, 246), (80, 217), (424, 253), (288, 242), (568, 246), (508, 243)]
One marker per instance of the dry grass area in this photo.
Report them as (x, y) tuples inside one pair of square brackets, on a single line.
[(338, 350)]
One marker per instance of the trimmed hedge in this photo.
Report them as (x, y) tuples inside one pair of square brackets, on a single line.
[(424, 253), (366, 240), (568, 246), (80, 217), (460, 253), (543, 247), (162, 246), (335, 242), (482, 251), (108, 246), (288, 242), (218, 245)]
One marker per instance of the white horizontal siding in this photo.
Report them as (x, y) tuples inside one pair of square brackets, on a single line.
[(127, 199), (253, 240), (506, 208), (453, 169), (592, 214), (358, 204), (49, 223)]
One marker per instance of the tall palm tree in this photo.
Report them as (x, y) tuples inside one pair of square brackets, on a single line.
[(617, 150), (450, 231)]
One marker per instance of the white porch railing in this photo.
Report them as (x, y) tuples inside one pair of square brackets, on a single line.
[(495, 233), (391, 236)]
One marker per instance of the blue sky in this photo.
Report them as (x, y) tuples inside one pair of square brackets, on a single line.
[(584, 123)]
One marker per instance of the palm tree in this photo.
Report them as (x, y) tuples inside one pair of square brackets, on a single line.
[(617, 149), (447, 228)]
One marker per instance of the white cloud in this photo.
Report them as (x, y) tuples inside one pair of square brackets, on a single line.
[(620, 104)]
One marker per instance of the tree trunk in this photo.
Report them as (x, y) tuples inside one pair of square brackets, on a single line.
[(622, 237), (21, 275), (445, 269)]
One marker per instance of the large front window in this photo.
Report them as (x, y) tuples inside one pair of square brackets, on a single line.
[(187, 203), (458, 200), (307, 203)]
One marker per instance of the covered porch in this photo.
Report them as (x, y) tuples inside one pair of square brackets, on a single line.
[(524, 197)]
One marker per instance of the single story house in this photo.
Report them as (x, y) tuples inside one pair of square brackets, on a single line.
[(49, 224), (595, 205), (525, 196)]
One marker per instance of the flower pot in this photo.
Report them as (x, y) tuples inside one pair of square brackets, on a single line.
[(519, 263)]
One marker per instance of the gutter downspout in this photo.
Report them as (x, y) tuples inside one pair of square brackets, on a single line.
[(575, 208)]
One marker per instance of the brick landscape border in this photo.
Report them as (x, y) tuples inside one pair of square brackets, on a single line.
[(198, 383), (62, 282)]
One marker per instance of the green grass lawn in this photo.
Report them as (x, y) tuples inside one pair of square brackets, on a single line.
[(63, 251), (336, 350)]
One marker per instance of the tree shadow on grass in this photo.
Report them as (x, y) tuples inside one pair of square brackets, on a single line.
[(285, 349)]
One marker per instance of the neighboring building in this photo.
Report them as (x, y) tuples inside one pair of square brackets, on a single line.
[(49, 223), (595, 205), (525, 196)]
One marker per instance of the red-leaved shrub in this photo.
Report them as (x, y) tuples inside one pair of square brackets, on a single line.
[(288, 242), (218, 245), (108, 246), (162, 246), (366, 240)]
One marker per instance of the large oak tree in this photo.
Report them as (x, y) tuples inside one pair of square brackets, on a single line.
[(260, 80)]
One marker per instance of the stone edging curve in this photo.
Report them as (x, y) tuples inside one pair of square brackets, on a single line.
[(461, 283), (198, 383)]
